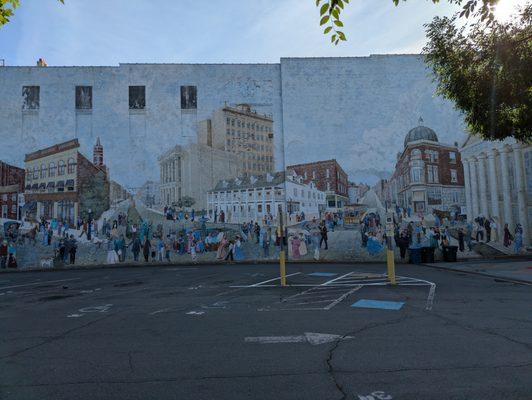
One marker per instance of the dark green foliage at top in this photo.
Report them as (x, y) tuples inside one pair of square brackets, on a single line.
[(486, 72)]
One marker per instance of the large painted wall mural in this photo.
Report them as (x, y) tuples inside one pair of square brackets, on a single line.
[(185, 163)]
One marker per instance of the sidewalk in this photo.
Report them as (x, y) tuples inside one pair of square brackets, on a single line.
[(519, 270)]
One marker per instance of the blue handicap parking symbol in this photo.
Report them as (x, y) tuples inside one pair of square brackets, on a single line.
[(384, 305)]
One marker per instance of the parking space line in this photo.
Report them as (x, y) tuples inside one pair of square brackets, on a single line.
[(39, 283), (274, 279)]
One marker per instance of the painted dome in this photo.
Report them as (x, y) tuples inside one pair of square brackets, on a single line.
[(420, 133)]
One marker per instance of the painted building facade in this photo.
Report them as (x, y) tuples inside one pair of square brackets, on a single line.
[(251, 198), (428, 175), (11, 189), (329, 177), (194, 169), (498, 182), (64, 184), (243, 131)]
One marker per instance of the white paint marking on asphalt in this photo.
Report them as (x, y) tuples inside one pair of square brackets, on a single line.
[(103, 308), (74, 315), (339, 299), (160, 311), (430, 298), (195, 312), (335, 279), (39, 283), (314, 339), (378, 395), (274, 279), (218, 304), (195, 287)]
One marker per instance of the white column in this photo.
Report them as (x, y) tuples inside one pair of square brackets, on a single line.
[(507, 198), (483, 185), (494, 192), (467, 183), (521, 190), (474, 188)]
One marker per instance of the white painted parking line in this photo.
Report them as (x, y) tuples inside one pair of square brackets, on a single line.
[(314, 339), (39, 283), (274, 279)]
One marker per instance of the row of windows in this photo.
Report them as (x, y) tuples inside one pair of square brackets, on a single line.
[(246, 135), (83, 97), (13, 197), (432, 155), (50, 170), (432, 174), (253, 126), (319, 196)]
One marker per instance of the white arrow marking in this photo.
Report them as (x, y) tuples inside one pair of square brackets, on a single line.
[(309, 337)]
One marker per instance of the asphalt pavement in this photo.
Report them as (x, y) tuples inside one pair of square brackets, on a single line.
[(230, 332)]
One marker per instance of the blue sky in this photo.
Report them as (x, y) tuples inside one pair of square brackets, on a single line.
[(106, 32)]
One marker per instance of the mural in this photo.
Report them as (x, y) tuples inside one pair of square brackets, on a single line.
[(227, 168)]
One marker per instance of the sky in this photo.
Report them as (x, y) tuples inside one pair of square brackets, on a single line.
[(103, 32)]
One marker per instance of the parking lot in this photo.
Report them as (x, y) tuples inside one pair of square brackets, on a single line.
[(231, 332)]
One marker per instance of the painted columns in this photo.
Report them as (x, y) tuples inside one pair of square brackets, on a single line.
[(474, 188), (483, 185), (467, 183), (506, 193), (494, 192), (521, 190)]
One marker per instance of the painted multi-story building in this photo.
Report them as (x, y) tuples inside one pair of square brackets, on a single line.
[(251, 198), (192, 170), (498, 182), (243, 131), (11, 189), (329, 177), (428, 174), (62, 183)]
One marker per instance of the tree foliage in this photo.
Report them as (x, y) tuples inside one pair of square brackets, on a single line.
[(7, 9), (331, 10), (486, 72)]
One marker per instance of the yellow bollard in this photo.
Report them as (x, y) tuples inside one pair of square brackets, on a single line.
[(390, 262), (282, 266)]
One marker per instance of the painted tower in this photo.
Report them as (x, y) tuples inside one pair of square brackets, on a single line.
[(97, 154)]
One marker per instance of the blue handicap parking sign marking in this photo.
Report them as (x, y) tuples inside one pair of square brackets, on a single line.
[(323, 274), (384, 305)]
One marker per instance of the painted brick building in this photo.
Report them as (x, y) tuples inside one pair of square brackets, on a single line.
[(11, 185), (62, 183), (428, 175), (329, 177)]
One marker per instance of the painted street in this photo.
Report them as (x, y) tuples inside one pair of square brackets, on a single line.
[(231, 332)]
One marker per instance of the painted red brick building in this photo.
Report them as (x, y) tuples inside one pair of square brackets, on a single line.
[(428, 174), (329, 177), (11, 185)]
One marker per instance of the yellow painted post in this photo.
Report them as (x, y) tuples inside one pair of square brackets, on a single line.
[(390, 259), (282, 259)]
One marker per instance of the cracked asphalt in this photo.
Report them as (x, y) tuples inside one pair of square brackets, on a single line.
[(179, 333)]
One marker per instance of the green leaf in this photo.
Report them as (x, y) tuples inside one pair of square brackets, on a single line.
[(324, 20), (324, 8), (333, 37), (341, 35), (335, 13), (327, 30), (337, 22)]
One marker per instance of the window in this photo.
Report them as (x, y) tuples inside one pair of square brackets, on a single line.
[(43, 171), (416, 153), (259, 208), (432, 173), (432, 156), (416, 174), (456, 196), (328, 186), (327, 173), (83, 97), (13, 197), (51, 170), (137, 97), (454, 176), (452, 157), (61, 168), (189, 99), (30, 97), (35, 173), (71, 166)]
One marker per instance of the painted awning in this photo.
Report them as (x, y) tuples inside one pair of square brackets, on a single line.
[(35, 186), (42, 186), (70, 183), (60, 184), (50, 185)]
